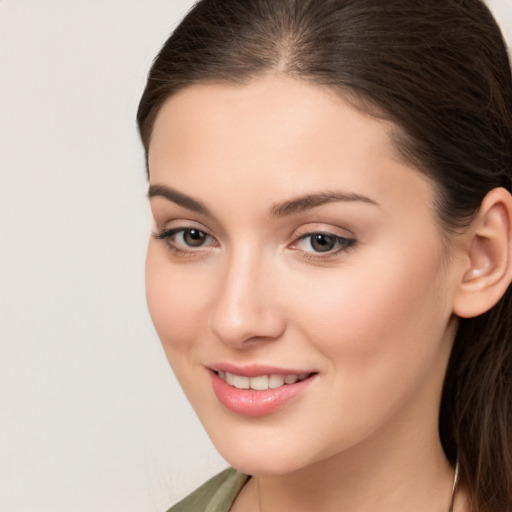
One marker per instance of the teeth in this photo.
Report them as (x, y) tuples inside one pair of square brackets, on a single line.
[(262, 382), (275, 381), (259, 383), (241, 382)]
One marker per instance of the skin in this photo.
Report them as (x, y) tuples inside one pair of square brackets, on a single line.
[(374, 320)]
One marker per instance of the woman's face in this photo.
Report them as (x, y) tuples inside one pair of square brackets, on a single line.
[(292, 243)]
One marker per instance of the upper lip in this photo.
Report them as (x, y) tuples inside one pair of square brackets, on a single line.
[(255, 370)]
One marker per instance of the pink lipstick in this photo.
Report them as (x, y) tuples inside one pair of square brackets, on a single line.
[(257, 390)]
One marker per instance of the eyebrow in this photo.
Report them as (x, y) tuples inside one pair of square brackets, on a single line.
[(304, 203), (293, 206), (180, 199)]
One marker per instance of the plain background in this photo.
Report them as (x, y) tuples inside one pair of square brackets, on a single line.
[(91, 418)]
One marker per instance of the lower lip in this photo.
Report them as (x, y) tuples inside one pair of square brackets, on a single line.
[(249, 402)]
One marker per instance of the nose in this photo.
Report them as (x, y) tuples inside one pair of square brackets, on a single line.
[(244, 309)]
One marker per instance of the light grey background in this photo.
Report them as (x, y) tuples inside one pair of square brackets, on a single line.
[(91, 418)]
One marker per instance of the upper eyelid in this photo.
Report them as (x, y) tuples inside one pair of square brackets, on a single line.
[(180, 229), (323, 232), (301, 232), (347, 239), (313, 228), (181, 225), (166, 220)]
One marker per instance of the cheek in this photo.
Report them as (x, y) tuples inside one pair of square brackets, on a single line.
[(380, 329), (174, 301), (379, 313)]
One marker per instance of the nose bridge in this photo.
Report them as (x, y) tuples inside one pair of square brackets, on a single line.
[(243, 308)]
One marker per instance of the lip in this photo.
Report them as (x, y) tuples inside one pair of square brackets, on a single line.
[(255, 370), (252, 403)]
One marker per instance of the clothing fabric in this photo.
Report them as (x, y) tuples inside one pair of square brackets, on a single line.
[(216, 495)]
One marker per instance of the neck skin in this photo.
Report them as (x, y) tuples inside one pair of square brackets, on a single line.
[(400, 467)]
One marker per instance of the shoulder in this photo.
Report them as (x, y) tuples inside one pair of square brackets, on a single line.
[(216, 495)]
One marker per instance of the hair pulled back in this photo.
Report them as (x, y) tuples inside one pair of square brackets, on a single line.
[(439, 70)]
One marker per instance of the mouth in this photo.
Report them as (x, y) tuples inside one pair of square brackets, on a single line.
[(261, 391), (261, 382)]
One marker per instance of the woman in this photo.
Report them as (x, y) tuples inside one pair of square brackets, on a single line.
[(331, 264)]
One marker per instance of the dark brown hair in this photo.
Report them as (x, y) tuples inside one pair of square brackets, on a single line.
[(439, 70)]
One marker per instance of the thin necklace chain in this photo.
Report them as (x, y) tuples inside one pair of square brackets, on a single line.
[(455, 485), (452, 499)]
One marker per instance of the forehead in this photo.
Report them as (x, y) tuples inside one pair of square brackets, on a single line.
[(264, 104), (275, 131), (275, 113)]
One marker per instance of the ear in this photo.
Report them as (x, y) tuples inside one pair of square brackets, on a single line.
[(488, 256)]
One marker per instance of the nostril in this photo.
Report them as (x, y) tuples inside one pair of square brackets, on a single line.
[(246, 327)]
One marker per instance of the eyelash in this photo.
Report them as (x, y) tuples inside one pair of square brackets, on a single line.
[(341, 244), (167, 236)]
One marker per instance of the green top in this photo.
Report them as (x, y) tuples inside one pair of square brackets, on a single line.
[(216, 495)]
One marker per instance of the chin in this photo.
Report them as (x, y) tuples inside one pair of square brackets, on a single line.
[(264, 463), (264, 453)]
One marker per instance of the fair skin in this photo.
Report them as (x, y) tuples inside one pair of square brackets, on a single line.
[(367, 309)]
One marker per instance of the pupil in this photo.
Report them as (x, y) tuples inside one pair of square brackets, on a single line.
[(194, 237), (322, 243)]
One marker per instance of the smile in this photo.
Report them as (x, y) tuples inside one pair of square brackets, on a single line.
[(261, 382), (261, 391)]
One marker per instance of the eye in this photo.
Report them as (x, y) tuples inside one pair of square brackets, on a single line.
[(185, 239), (322, 242), (193, 237)]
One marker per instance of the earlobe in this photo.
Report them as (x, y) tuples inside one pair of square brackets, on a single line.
[(489, 256)]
